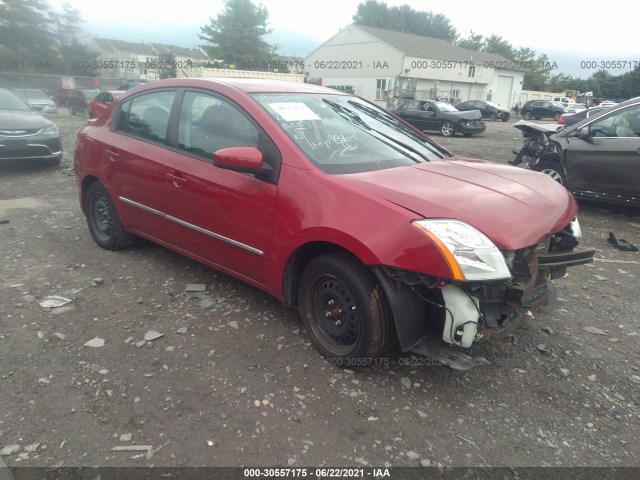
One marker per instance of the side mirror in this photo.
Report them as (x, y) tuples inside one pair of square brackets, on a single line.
[(583, 134), (242, 159)]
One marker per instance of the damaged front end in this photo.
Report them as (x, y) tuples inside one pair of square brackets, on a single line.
[(430, 310)]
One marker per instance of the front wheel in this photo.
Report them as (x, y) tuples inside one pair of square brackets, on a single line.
[(447, 129), (552, 169), (103, 220), (527, 115), (345, 310)]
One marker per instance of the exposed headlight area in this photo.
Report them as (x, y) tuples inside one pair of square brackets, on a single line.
[(470, 254)]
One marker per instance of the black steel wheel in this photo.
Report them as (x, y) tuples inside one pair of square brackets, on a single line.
[(447, 129), (102, 218), (345, 310)]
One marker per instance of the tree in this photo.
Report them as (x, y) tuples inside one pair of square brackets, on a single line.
[(474, 41), (373, 13), (75, 57), (236, 35), (26, 36), (498, 45)]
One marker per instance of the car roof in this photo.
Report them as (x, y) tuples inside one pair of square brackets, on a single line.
[(247, 85)]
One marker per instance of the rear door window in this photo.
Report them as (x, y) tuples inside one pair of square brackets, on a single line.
[(147, 116)]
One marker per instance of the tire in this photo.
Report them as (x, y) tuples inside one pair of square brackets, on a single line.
[(494, 117), (527, 115), (331, 285), (552, 169), (103, 221), (505, 118), (556, 116), (447, 129)]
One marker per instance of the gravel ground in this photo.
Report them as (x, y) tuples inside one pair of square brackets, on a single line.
[(232, 380)]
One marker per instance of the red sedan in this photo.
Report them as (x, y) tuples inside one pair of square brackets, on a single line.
[(100, 103), (377, 234)]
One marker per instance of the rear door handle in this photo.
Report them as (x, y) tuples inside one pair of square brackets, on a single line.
[(113, 156), (177, 179)]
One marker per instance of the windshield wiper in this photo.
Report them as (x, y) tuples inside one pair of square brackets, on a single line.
[(350, 114), (391, 122), (356, 120)]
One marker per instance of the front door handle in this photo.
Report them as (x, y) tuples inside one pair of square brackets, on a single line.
[(176, 179)]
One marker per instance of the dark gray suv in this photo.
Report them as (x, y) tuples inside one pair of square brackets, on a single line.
[(543, 109)]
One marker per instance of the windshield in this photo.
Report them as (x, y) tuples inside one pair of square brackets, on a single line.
[(345, 134), (9, 101)]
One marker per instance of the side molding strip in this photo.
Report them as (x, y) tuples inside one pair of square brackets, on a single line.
[(193, 227)]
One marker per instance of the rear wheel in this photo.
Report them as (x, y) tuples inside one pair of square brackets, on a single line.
[(103, 220), (447, 129), (494, 117), (552, 169), (345, 310)]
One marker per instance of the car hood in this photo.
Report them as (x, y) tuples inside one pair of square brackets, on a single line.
[(514, 207), (14, 120)]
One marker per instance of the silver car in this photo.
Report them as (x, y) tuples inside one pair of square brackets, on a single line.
[(39, 100)]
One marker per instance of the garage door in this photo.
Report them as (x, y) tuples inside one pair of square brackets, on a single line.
[(502, 96)]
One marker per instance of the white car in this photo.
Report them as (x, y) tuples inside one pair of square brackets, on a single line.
[(564, 100), (575, 107)]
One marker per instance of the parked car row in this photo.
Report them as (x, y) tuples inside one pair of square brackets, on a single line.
[(440, 116), (307, 176)]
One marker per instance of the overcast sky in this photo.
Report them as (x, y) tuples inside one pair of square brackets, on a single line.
[(547, 26)]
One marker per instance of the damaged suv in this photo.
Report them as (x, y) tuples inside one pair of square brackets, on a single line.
[(377, 234)]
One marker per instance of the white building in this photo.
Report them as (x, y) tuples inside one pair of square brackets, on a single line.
[(379, 64)]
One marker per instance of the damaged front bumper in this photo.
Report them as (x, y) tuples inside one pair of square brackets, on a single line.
[(458, 313)]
